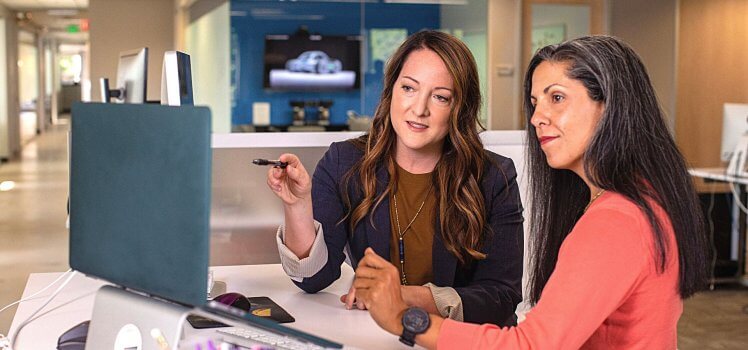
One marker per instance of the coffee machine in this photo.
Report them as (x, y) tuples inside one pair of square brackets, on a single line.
[(320, 112)]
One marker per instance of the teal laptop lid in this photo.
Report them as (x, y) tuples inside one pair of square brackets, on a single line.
[(140, 197)]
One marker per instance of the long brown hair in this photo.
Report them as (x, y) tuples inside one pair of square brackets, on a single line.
[(457, 176)]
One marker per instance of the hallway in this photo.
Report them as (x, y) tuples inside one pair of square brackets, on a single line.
[(33, 237)]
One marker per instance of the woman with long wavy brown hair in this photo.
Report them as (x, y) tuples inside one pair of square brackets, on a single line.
[(418, 188)]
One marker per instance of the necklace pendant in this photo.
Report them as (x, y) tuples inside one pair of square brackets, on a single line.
[(401, 233), (403, 281)]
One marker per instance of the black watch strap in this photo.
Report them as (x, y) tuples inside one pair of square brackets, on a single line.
[(415, 321), (408, 338)]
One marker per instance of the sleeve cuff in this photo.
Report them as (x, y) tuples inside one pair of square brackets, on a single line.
[(447, 301), (296, 268)]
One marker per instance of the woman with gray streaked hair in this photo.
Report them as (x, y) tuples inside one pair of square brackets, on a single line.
[(617, 233)]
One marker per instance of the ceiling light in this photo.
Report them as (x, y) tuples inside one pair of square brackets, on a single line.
[(62, 12)]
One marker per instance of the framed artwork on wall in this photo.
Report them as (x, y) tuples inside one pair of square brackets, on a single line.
[(547, 35)]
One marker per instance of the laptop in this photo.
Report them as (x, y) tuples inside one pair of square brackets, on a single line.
[(140, 180)]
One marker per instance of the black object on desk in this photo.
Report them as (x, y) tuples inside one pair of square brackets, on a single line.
[(74, 338), (267, 308), (259, 306)]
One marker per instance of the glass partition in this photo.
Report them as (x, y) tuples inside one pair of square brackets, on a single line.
[(292, 62), (555, 23)]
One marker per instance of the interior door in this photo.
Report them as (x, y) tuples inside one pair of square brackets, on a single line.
[(546, 22)]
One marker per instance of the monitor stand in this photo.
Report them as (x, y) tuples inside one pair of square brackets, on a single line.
[(107, 94), (126, 320), (218, 288), (215, 288)]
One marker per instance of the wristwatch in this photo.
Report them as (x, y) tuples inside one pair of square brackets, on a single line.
[(415, 321)]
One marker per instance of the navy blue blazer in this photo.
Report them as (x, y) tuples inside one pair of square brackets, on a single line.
[(490, 289)]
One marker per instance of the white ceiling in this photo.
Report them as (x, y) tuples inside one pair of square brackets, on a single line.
[(52, 16), (44, 4)]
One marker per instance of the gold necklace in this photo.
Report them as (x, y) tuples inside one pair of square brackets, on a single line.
[(598, 194), (401, 233)]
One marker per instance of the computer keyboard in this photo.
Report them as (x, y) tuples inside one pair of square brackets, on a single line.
[(247, 337), (254, 330)]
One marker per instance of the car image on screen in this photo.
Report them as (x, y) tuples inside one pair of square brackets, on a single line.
[(314, 62)]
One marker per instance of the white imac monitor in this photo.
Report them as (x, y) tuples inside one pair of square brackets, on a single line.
[(176, 79), (132, 73), (132, 76), (734, 141), (734, 126)]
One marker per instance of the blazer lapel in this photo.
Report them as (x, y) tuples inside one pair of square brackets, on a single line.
[(379, 237)]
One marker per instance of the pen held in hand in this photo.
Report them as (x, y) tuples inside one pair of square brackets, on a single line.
[(275, 163)]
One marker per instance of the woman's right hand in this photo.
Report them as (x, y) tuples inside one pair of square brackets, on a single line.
[(292, 184)]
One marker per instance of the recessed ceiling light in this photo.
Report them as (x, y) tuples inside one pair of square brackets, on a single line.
[(62, 12)]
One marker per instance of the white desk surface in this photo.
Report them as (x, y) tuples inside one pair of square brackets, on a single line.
[(321, 314), (718, 174)]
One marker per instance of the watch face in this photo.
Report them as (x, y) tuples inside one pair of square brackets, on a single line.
[(416, 320)]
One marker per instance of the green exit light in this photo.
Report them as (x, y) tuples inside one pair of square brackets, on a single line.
[(73, 28)]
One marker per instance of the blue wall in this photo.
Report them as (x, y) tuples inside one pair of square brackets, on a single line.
[(252, 20)]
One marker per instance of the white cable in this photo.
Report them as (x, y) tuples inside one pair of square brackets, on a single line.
[(30, 297), (14, 338), (711, 236), (5, 342), (736, 196), (180, 325), (62, 304), (733, 184)]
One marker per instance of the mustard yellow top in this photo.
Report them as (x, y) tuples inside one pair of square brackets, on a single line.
[(412, 191)]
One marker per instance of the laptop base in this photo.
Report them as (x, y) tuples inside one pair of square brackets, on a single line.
[(126, 320)]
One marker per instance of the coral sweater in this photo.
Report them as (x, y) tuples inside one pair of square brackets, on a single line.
[(605, 292)]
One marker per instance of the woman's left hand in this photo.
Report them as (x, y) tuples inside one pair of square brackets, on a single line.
[(350, 300), (377, 284)]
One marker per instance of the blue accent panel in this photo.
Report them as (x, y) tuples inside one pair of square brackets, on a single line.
[(252, 20)]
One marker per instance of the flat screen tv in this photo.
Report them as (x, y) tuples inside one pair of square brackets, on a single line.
[(312, 63)]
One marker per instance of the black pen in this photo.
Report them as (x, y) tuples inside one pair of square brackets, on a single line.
[(275, 163)]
